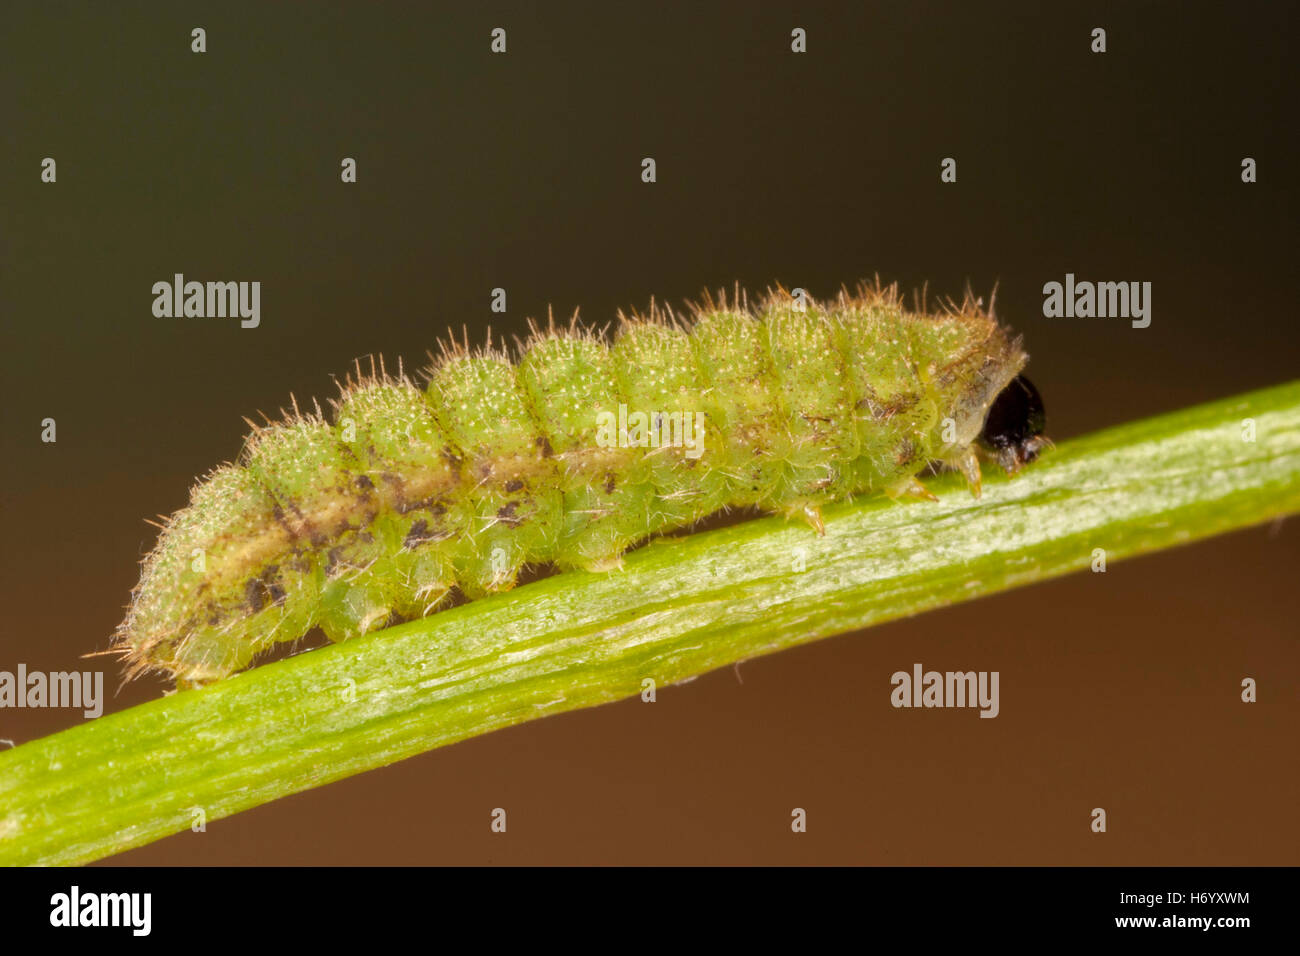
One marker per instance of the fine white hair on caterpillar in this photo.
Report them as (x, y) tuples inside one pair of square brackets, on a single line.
[(567, 450)]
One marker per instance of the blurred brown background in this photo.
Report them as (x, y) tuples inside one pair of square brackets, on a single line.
[(523, 171)]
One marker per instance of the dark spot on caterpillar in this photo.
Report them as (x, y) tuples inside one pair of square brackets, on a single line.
[(264, 590), (514, 484), (273, 586), (545, 446), (423, 504), (906, 451), (431, 504), (317, 536), (418, 535), (332, 560), (884, 411), (507, 515), (609, 483), (368, 518), (485, 469), (345, 450), (294, 533), (364, 483)]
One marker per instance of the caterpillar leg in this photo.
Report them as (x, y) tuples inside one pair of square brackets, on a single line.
[(968, 463), (910, 487), (613, 562), (807, 511), (352, 610), (595, 549), (486, 578)]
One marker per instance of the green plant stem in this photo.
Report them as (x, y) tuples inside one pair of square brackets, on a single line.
[(680, 607)]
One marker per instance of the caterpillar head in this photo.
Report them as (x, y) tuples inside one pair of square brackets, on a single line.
[(1013, 428)]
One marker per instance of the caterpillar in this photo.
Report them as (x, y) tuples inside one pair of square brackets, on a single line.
[(567, 451)]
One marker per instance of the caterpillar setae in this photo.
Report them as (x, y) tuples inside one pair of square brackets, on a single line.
[(568, 453)]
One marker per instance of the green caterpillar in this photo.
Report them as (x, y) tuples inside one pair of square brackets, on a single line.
[(570, 456)]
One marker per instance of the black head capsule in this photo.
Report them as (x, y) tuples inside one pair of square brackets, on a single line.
[(1013, 428)]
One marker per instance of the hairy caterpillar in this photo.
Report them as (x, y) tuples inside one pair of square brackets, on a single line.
[(404, 493)]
